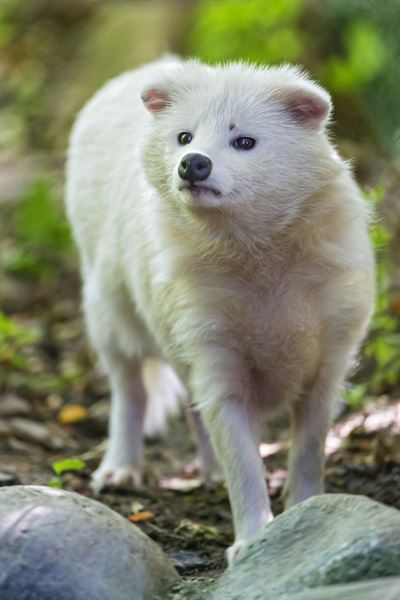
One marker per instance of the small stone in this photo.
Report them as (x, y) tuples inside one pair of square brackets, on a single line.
[(24, 447), (54, 401), (183, 560), (32, 431), (13, 406), (4, 430), (81, 549), (8, 478)]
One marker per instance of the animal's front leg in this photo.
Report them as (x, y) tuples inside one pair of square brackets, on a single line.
[(233, 424)]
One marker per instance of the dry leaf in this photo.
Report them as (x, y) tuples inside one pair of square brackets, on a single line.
[(144, 515), (136, 507), (72, 413), (178, 484)]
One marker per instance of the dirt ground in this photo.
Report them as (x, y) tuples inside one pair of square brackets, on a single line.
[(54, 406)]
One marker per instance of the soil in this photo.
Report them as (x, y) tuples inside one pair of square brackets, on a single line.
[(192, 524)]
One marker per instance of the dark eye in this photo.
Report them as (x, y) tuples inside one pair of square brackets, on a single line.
[(185, 138), (244, 143)]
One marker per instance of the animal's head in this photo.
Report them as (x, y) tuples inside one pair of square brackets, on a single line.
[(239, 138)]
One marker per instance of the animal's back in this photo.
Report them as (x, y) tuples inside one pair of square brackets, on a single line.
[(104, 145)]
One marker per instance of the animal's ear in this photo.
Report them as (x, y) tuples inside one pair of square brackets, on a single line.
[(307, 104), (155, 99)]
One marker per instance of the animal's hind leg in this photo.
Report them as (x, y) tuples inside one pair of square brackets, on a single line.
[(122, 463), (311, 417), (206, 459), (310, 420)]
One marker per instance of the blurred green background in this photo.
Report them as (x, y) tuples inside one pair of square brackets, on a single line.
[(56, 53)]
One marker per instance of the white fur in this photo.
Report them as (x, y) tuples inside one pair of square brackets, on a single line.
[(258, 297)]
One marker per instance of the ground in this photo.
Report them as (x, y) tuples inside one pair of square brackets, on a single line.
[(54, 406)]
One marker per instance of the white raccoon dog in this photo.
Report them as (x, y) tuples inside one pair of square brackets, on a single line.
[(222, 239)]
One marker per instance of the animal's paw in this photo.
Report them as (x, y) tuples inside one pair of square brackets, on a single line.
[(117, 476), (233, 551)]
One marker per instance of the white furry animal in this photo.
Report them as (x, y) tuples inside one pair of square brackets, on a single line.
[(221, 234)]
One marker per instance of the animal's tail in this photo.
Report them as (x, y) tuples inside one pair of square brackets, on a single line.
[(165, 394)]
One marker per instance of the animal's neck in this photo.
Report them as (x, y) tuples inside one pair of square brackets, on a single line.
[(225, 239)]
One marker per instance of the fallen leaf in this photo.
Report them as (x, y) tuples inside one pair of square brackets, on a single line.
[(198, 530), (136, 507), (270, 449), (178, 484), (72, 413), (144, 515), (276, 479), (68, 464)]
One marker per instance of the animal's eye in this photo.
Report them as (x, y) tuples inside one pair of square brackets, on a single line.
[(244, 143), (185, 138)]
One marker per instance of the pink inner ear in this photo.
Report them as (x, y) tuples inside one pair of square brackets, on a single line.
[(308, 107), (155, 100)]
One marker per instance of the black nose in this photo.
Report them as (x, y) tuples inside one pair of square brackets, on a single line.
[(194, 167)]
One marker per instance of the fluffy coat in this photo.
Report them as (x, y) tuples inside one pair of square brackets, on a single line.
[(256, 286)]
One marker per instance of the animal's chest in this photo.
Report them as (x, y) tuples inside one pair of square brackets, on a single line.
[(273, 327), (272, 324)]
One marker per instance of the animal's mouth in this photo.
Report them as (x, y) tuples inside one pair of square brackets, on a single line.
[(198, 189)]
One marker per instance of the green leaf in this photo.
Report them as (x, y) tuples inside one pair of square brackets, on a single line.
[(12, 331), (356, 395), (56, 483), (37, 220), (25, 264), (69, 464)]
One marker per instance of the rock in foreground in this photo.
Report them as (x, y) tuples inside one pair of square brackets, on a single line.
[(60, 545), (329, 539)]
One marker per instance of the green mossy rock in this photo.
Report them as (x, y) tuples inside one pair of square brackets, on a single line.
[(326, 540)]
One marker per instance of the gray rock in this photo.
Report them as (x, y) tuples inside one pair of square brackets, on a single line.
[(329, 539), (385, 588), (58, 545)]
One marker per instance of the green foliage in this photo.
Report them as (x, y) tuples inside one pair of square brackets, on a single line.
[(12, 332), (42, 231), (228, 30), (56, 483), (363, 59), (380, 371), (61, 466), (16, 341), (68, 464), (37, 220), (13, 338)]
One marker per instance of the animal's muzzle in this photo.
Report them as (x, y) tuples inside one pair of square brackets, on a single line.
[(194, 167)]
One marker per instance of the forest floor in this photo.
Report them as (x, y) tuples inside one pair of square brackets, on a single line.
[(54, 406)]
